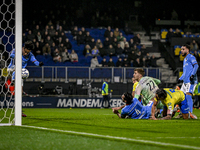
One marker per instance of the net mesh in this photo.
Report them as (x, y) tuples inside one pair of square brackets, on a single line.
[(7, 42)]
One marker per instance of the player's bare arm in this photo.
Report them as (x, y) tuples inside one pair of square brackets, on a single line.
[(116, 112), (118, 108), (153, 110)]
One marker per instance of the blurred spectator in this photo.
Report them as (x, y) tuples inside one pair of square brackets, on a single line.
[(75, 32), (131, 43), (102, 50), (148, 59), (24, 38), (194, 46), (60, 30), (132, 57), (83, 31), (66, 56), (49, 40), (174, 15), (111, 51), (36, 30), (80, 38), (46, 49), (169, 36), (60, 41), (153, 62), (143, 50), (107, 32), (177, 33), (126, 63), (115, 43), (197, 56), (37, 49), (53, 47), (143, 62), (139, 55), (116, 32), (92, 43), (95, 51), (63, 35), (136, 39), (106, 42), (56, 55), (38, 36), (45, 35), (94, 62), (74, 56), (67, 43), (30, 36), (188, 29), (61, 48), (55, 37), (119, 62), (111, 37), (46, 29), (137, 63), (111, 63), (87, 50), (120, 37), (52, 31), (135, 48), (88, 37), (122, 43), (104, 62), (98, 43), (119, 51)]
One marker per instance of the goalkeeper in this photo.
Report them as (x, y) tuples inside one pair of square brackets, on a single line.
[(26, 56)]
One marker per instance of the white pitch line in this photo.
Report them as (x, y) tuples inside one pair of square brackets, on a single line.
[(113, 137)]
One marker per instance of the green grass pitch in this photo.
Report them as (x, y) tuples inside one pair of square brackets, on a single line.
[(98, 129)]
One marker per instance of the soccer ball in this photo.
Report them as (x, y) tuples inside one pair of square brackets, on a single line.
[(25, 73)]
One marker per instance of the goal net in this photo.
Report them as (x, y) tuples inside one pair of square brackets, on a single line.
[(10, 93)]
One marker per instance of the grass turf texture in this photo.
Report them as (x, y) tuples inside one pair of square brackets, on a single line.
[(97, 121)]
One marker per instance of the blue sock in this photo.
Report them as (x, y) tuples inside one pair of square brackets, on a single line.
[(190, 102)]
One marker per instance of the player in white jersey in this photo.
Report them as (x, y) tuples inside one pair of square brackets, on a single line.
[(189, 76)]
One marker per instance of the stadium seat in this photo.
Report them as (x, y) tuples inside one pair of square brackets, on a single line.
[(177, 49), (192, 36), (184, 35), (181, 58), (164, 33)]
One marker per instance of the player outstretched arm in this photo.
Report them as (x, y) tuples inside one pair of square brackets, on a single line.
[(153, 110), (166, 113), (116, 112)]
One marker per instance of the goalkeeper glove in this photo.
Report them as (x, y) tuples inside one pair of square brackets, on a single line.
[(191, 77), (41, 64)]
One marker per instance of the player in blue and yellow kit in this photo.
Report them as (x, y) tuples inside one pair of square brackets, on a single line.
[(189, 76), (171, 97), (134, 108)]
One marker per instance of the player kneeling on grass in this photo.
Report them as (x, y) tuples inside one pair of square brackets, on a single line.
[(170, 97), (134, 108)]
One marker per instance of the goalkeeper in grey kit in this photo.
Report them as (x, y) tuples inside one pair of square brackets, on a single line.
[(27, 55)]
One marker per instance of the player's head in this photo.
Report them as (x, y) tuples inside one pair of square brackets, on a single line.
[(28, 47), (127, 98), (161, 94), (138, 73), (185, 49)]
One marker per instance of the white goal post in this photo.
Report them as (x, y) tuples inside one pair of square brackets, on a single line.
[(11, 28)]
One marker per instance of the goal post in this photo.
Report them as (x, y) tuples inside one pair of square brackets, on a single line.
[(11, 38), (18, 62)]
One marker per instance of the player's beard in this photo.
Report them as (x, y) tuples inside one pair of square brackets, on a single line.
[(184, 54)]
